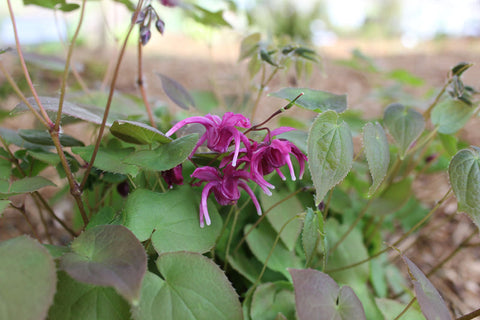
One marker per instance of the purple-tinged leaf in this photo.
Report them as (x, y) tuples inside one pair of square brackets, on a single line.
[(317, 296), (315, 100), (176, 92), (27, 279), (108, 255), (432, 305), (464, 173)]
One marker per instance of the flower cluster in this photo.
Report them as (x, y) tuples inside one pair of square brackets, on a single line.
[(250, 162)]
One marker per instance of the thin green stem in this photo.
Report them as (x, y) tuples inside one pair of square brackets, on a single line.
[(401, 239), (67, 66), (110, 97), (263, 217), (25, 70), (230, 237), (428, 112), (406, 308)]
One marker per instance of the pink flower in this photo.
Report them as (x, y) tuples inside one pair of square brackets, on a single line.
[(173, 176), (220, 132), (170, 3), (224, 186)]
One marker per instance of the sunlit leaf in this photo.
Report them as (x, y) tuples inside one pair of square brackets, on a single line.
[(53, 4), (171, 220), (432, 305), (404, 124), (405, 77), (192, 287), (330, 152), (108, 255), (451, 115), (464, 173), (208, 18), (314, 100), (137, 132), (317, 294), (377, 153), (27, 279), (176, 92)]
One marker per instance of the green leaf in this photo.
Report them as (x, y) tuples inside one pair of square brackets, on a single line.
[(377, 153), (460, 68), (42, 137), (279, 215), (405, 77), (318, 294), (451, 115), (28, 184), (404, 124), (27, 279), (391, 309), (176, 92), (330, 152), (5, 165), (109, 159), (272, 299), (172, 217), (137, 132), (3, 205), (315, 100), (393, 198), (208, 18), (249, 45), (47, 157), (432, 305), (449, 143), (130, 6), (261, 240), (53, 4), (193, 288), (106, 215), (12, 137), (79, 301), (166, 156), (56, 251), (464, 173), (267, 57), (310, 235), (108, 255)]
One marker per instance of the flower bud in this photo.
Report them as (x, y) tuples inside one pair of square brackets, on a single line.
[(123, 188), (169, 3), (140, 17), (145, 35), (160, 25)]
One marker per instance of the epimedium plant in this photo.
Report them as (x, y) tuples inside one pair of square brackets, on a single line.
[(275, 240)]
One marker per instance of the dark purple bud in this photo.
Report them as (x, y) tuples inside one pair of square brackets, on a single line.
[(123, 188), (160, 25), (140, 17), (321, 206), (145, 35), (431, 157), (173, 176), (169, 3)]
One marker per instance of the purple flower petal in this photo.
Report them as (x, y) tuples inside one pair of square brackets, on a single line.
[(249, 191)]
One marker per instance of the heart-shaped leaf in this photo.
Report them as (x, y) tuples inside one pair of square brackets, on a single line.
[(176, 92), (314, 100), (432, 305), (330, 152), (272, 300), (317, 294), (27, 279), (451, 115), (79, 301), (193, 287), (377, 153), (166, 156), (108, 255), (464, 173), (171, 220), (109, 159), (137, 132), (404, 124)]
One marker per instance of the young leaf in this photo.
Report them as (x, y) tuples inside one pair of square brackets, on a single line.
[(315, 100), (273, 299), (310, 235), (28, 184), (249, 45), (42, 137), (330, 152), (27, 279), (461, 68), (404, 124), (281, 214), (108, 255), (192, 287), (451, 115), (464, 173), (109, 159), (171, 220), (166, 156), (137, 133), (391, 308), (377, 153), (176, 92), (432, 305), (79, 301), (317, 294)]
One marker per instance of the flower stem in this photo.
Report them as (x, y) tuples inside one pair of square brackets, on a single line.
[(110, 97), (141, 86)]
